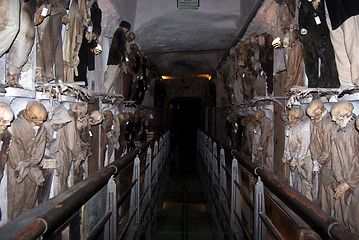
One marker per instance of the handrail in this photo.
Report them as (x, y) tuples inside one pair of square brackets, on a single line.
[(298, 203), (78, 195)]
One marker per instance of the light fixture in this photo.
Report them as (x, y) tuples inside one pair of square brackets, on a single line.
[(277, 43), (97, 50), (188, 76)]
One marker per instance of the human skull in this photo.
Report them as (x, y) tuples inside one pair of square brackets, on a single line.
[(95, 118), (253, 38), (134, 47), (131, 36), (6, 116), (315, 110), (294, 116), (121, 117), (78, 109), (37, 113), (259, 115), (142, 53), (242, 54), (107, 114), (341, 113), (261, 40)]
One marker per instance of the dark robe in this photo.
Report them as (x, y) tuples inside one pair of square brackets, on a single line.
[(87, 57), (5, 144), (316, 45), (118, 47)]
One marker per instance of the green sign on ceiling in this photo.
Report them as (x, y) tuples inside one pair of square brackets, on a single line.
[(187, 4)]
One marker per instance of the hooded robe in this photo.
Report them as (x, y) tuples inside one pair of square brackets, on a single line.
[(298, 143), (321, 134), (49, 61), (24, 174), (345, 159), (60, 145)]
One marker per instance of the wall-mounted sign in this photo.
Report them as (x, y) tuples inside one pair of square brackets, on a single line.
[(187, 4)]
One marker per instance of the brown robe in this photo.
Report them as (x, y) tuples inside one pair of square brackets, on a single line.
[(60, 145), (72, 41), (109, 140), (287, 26), (321, 135), (83, 141), (24, 175), (345, 159), (49, 62), (266, 142), (299, 140), (69, 149), (247, 139)]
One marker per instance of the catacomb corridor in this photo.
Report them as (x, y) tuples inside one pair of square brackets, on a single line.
[(182, 119)]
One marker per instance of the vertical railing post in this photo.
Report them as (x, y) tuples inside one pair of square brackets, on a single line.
[(209, 155), (214, 164), (155, 162), (168, 148), (148, 174), (222, 175), (160, 156), (260, 230), (111, 205), (198, 142), (201, 145), (235, 196), (135, 191)]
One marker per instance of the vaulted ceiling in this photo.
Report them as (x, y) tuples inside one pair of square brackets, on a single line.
[(187, 41)]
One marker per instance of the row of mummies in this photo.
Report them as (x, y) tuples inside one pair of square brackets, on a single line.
[(312, 33), (45, 152), (56, 57), (68, 58), (321, 152), (127, 70)]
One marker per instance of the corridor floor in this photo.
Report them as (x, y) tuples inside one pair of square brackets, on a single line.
[(184, 212)]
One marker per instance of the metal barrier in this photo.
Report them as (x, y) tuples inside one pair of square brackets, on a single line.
[(252, 192), (129, 203)]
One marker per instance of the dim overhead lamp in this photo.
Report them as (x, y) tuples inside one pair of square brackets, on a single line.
[(188, 76), (97, 50)]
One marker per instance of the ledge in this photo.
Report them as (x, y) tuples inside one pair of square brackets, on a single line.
[(19, 92)]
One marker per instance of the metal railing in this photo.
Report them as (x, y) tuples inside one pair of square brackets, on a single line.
[(122, 198), (253, 203)]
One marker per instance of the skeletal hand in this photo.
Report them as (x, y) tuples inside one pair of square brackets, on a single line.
[(65, 19), (293, 165), (340, 190)]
